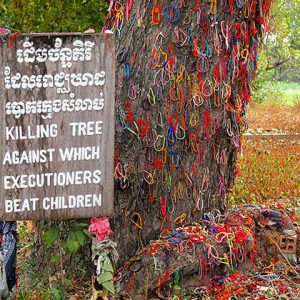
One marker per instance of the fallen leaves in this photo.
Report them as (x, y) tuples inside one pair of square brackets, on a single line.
[(270, 167)]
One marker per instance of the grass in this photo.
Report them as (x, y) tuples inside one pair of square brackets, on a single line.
[(285, 93)]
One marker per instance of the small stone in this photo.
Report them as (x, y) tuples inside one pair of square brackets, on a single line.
[(90, 30)]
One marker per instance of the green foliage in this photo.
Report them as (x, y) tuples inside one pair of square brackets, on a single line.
[(57, 294), (279, 57), (280, 54), (52, 16), (56, 291), (76, 238), (263, 90), (51, 235), (71, 244), (54, 259), (277, 92), (25, 236), (282, 42), (290, 92), (23, 295)]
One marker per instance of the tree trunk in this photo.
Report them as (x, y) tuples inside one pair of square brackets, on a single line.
[(184, 71)]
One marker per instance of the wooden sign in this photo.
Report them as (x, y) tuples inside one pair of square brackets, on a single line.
[(57, 126)]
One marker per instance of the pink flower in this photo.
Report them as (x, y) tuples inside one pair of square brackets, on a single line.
[(100, 227)]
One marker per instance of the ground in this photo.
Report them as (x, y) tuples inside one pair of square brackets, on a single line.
[(269, 166)]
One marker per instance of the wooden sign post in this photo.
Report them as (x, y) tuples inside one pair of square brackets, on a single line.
[(57, 126)]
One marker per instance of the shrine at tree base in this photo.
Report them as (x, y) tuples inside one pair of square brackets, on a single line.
[(248, 253)]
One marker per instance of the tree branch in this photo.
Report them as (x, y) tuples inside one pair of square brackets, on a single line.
[(278, 10), (270, 67)]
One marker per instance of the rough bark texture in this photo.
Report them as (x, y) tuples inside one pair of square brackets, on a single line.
[(184, 71)]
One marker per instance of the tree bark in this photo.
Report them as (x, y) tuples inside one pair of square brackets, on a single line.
[(184, 72)]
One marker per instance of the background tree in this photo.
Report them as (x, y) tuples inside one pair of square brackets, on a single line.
[(52, 16), (281, 45), (279, 58)]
